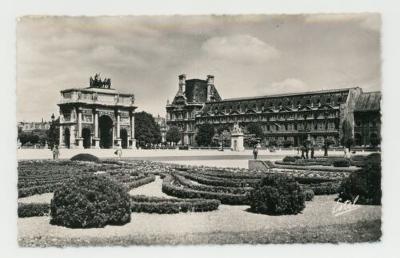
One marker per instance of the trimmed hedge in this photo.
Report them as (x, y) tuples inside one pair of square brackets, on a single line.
[(216, 189), (341, 163), (28, 191), (90, 201), (208, 180), (181, 192), (140, 182), (85, 157), (366, 183), (168, 206), (324, 188), (33, 209), (316, 169), (291, 158), (277, 195)]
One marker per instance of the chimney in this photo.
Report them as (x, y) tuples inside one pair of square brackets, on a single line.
[(182, 83), (210, 83)]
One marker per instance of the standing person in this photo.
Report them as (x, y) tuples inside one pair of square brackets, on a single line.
[(119, 151), (56, 151), (312, 152), (255, 151)]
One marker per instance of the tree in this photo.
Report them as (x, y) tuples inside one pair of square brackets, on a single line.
[(205, 135), (25, 138), (53, 133), (327, 143), (147, 131), (375, 140), (173, 135), (256, 129), (347, 139)]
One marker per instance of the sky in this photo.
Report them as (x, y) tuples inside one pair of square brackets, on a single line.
[(249, 55)]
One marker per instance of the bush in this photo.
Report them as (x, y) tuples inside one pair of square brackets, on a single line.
[(277, 195), (33, 209), (366, 183), (309, 195), (158, 205), (290, 158), (341, 163), (85, 157), (90, 201)]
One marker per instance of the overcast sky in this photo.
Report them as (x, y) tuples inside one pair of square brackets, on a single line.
[(248, 55)]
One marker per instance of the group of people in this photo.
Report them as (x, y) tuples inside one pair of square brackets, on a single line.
[(305, 150)]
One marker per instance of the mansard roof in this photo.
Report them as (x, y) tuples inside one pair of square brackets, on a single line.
[(369, 101), (288, 94)]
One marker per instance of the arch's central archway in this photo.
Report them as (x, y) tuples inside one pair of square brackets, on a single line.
[(106, 131), (86, 135), (67, 136), (124, 138)]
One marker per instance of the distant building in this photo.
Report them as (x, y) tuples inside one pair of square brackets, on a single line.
[(96, 117), (32, 126), (295, 117)]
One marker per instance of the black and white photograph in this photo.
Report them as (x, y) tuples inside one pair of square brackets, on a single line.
[(199, 130)]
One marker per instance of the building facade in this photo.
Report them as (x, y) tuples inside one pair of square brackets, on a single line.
[(294, 117), (96, 117)]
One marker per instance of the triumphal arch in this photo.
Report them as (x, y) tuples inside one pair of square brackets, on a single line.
[(97, 117)]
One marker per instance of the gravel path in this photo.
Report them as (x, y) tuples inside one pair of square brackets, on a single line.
[(152, 189)]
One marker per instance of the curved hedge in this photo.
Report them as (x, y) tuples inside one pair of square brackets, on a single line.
[(85, 157), (217, 189), (90, 201), (209, 180), (33, 209), (147, 204), (139, 182), (181, 192)]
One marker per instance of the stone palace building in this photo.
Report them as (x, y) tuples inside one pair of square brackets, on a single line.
[(96, 117), (315, 115)]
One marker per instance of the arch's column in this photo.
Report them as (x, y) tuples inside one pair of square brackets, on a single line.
[(118, 128), (61, 138), (79, 138), (96, 130), (133, 140)]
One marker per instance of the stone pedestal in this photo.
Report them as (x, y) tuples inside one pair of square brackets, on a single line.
[(96, 143), (79, 143), (118, 142), (133, 144), (237, 142)]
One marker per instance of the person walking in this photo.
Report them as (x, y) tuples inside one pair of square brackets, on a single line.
[(255, 152)]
